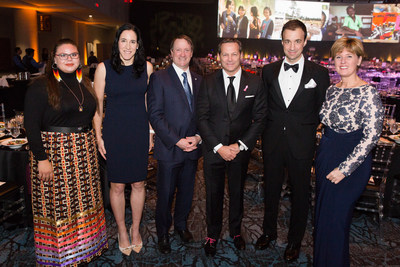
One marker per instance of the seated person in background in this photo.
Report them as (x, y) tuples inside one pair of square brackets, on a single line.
[(30, 63), (19, 67), (352, 24)]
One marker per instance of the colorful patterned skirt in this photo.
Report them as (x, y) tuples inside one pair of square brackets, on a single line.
[(68, 212)]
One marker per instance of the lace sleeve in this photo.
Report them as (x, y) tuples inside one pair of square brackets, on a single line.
[(371, 111)]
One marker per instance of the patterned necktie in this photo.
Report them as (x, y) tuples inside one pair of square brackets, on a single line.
[(231, 98), (287, 66), (188, 93)]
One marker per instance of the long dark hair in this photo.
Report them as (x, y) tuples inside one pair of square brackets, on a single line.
[(53, 86), (139, 60)]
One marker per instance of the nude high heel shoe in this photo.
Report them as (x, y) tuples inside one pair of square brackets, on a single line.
[(126, 251), (135, 248)]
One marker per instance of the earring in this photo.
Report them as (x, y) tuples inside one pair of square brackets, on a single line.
[(54, 65), (79, 74), (56, 74)]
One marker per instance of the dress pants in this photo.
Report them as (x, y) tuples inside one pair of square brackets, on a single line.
[(299, 172), (335, 202), (215, 169), (173, 175)]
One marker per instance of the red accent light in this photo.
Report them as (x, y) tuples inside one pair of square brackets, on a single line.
[(97, 4)]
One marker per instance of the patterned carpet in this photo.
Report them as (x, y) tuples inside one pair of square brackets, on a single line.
[(367, 246)]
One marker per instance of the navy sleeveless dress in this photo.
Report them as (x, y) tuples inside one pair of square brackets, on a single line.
[(126, 126)]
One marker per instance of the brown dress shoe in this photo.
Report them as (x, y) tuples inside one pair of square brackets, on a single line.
[(292, 252), (263, 242)]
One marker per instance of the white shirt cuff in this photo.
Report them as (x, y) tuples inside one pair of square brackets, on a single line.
[(242, 146), (217, 147)]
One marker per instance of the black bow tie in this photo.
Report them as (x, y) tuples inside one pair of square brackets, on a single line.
[(295, 67)]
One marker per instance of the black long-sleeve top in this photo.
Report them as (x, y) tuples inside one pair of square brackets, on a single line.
[(39, 114)]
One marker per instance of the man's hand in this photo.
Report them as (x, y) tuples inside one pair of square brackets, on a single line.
[(227, 153)]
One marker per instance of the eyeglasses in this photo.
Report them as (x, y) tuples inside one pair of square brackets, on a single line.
[(65, 56)]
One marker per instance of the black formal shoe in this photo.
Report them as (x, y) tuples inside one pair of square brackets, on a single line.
[(263, 241), (292, 252), (185, 235), (163, 245), (210, 247), (239, 242)]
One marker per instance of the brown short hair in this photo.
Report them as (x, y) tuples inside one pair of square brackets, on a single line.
[(229, 40), (293, 25), (182, 36), (354, 45)]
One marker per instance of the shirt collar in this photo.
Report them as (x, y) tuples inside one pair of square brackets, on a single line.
[(300, 62), (179, 71), (237, 74)]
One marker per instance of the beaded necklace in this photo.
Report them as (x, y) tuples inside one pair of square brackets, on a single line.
[(79, 78)]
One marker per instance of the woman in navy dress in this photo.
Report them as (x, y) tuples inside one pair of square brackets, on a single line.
[(352, 114), (125, 140)]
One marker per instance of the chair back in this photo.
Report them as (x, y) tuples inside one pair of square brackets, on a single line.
[(389, 110), (381, 159)]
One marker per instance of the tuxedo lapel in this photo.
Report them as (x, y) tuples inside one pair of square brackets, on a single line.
[(305, 77), (275, 82), (220, 86), (244, 81), (178, 85)]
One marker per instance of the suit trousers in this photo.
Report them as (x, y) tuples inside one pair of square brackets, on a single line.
[(171, 175), (215, 169), (299, 173)]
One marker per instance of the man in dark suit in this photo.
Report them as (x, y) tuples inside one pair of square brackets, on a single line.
[(295, 91), (170, 102), (231, 110)]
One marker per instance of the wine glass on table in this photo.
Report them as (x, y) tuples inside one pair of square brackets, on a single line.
[(19, 118), (394, 128), (15, 130)]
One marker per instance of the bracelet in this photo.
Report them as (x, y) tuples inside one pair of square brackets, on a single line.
[(152, 131)]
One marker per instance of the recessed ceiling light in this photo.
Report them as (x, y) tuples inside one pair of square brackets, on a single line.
[(90, 16)]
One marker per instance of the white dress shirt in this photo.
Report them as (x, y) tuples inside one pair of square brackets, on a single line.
[(289, 80), (179, 71)]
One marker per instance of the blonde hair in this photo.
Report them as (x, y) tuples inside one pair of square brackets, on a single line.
[(351, 44)]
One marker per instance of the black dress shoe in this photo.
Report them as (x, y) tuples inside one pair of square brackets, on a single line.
[(163, 245), (239, 242), (263, 242), (185, 235), (210, 247), (292, 252)]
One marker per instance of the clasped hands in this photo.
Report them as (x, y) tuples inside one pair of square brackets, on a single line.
[(189, 143), (228, 153)]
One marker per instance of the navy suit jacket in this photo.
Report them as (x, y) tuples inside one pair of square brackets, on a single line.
[(170, 115)]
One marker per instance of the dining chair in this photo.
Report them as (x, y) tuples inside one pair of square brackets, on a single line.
[(389, 110), (372, 198)]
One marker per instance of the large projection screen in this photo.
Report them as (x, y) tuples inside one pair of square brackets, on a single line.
[(263, 19)]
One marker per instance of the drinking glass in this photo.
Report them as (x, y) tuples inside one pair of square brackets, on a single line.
[(19, 118), (15, 131), (8, 124), (394, 128)]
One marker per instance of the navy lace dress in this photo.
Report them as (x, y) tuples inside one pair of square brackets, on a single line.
[(353, 123), (125, 126)]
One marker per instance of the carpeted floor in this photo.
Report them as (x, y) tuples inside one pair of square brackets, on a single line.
[(367, 246)]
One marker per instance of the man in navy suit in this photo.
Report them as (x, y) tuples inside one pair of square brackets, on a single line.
[(170, 101), (231, 110), (295, 92)]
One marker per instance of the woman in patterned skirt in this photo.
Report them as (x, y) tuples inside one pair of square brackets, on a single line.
[(352, 114), (68, 213)]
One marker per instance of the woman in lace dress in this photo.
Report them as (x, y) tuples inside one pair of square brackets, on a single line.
[(352, 115)]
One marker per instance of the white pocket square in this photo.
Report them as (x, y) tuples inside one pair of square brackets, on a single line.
[(248, 96), (310, 84)]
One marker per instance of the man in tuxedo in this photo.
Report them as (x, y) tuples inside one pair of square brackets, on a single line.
[(231, 110), (170, 101), (295, 91)]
